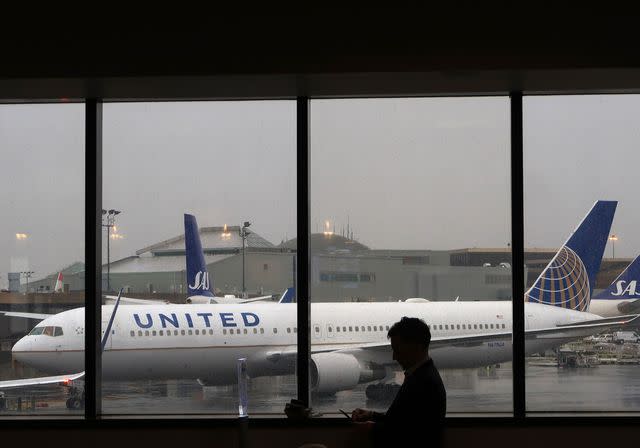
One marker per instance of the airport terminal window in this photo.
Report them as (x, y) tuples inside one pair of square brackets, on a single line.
[(384, 232), (547, 137), (42, 147), (598, 134), (255, 210)]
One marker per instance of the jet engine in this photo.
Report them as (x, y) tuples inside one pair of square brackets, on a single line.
[(333, 372)]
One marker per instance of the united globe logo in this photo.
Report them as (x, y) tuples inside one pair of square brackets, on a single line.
[(564, 283)]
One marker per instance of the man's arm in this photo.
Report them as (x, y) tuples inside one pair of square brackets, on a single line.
[(365, 415)]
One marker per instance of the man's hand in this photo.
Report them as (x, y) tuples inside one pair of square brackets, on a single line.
[(361, 415)]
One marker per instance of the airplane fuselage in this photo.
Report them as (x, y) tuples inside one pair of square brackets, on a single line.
[(204, 341)]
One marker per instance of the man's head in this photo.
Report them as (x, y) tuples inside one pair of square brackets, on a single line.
[(409, 341)]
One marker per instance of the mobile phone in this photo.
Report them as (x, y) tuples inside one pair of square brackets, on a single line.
[(345, 414)]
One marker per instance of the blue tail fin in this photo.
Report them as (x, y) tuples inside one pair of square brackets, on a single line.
[(287, 295), (197, 275), (569, 278), (625, 285)]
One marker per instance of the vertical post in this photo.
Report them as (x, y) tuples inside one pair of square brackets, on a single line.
[(243, 237), (108, 257), (517, 248), (93, 257), (302, 256)]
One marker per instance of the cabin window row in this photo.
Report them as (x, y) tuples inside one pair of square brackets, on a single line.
[(468, 326), (358, 329), (225, 331)]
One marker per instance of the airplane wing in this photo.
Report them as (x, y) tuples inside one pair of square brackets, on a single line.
[(36, 316), (131, 301), (373, 350), (253, 299), (629, 307), (285, 297), (57, 379)]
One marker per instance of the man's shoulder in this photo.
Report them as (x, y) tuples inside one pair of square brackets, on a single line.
[(427, 375)]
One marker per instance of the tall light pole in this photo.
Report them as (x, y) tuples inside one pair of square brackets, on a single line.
[(243, 234), (613, 238), (110, 216), (27, 275)]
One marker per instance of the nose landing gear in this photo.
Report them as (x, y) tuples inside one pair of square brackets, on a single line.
[(76, 398)]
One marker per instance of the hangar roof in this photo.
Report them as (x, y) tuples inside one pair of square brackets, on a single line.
[(166, 263), (213, 238)]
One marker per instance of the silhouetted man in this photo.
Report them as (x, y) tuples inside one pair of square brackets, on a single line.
[(416, 416)]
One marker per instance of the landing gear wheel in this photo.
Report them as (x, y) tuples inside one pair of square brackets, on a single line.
[(74, 403)]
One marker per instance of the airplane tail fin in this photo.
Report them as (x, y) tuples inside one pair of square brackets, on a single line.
[(197, 275), (58, 287), (287, 296), (569, 278), (625, 286)]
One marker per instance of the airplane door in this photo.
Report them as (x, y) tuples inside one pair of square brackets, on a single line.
[(317, 331), (529, 321)]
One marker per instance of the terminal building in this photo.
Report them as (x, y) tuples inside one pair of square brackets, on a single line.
[(342, 269)]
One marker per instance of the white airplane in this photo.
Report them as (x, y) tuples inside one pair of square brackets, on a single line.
[(201, 291), (349, 342), (622, 296)]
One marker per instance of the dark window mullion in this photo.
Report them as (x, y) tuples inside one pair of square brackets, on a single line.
[(93, 257), (302, 255), (517, 248)]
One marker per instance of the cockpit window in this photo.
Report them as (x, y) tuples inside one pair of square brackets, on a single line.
[(36, 331), (47, 331)]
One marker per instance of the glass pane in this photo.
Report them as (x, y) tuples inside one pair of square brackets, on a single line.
[(42, 263), (223, 173), (410, 206), (579, 150)]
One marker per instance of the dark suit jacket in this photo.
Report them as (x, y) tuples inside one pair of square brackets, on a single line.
[(416, 414)]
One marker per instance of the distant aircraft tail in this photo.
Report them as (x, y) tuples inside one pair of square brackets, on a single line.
[(58, 287), (569, 278), (287, 296), (626, 285), (198, 282)]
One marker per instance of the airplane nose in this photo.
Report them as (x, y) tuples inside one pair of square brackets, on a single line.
[(23, 345)]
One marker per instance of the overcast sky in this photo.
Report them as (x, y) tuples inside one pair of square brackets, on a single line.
[(406, 173)]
